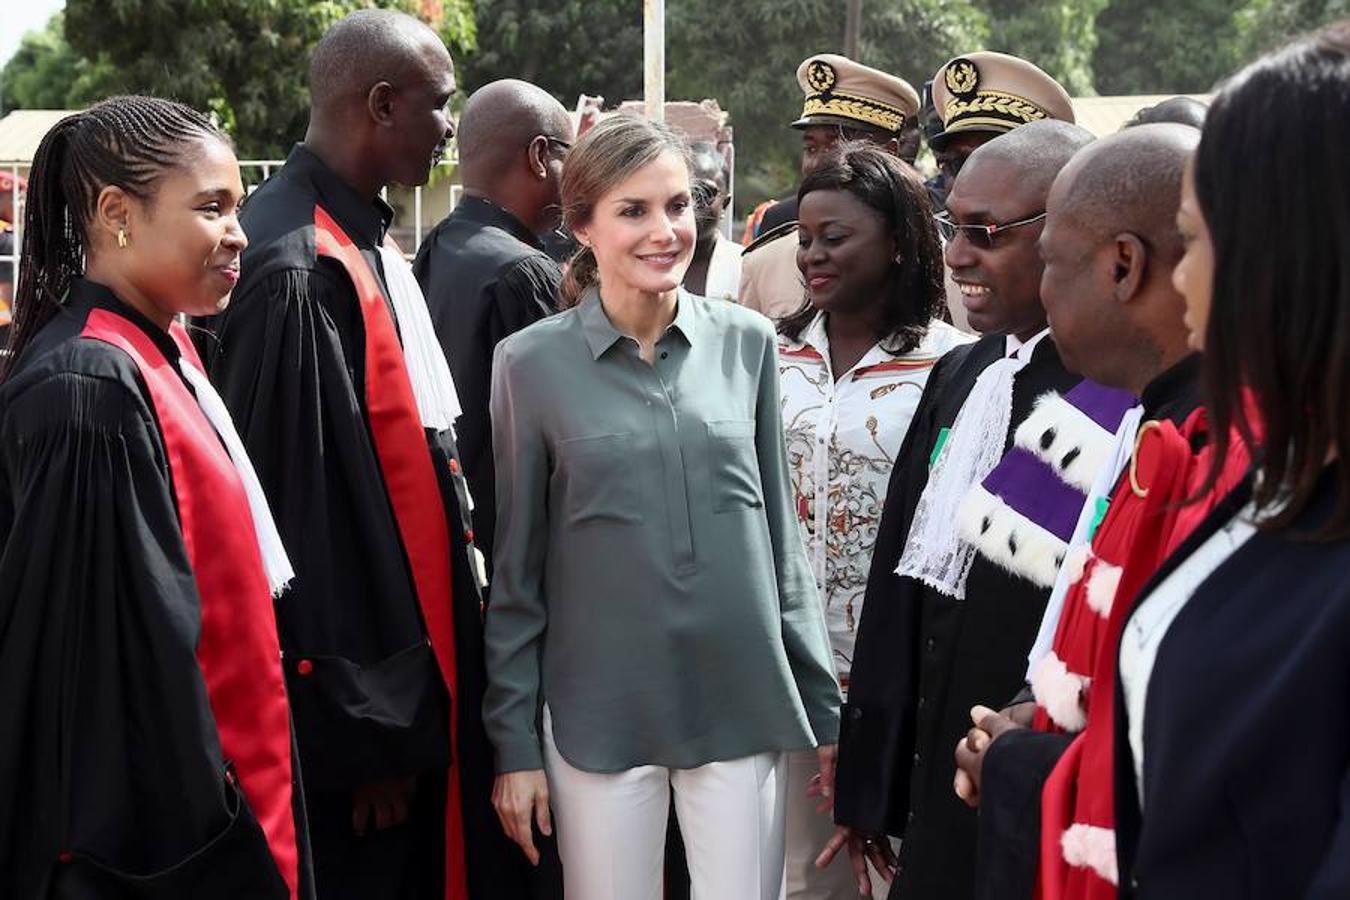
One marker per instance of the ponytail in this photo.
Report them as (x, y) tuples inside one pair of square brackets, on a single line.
[(127, 142), (52, 252), (582, 273)]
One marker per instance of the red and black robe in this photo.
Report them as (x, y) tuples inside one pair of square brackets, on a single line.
[(382, 630), (145, 738)]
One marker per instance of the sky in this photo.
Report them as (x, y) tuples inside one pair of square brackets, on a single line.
[(18, 17)]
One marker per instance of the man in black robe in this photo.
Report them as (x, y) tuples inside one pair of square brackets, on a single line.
[(1109, 244), (923, 658), (483, 269), (304, 369)]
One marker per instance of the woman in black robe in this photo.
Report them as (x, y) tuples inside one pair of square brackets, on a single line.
[(1232, 740), (145, 746)]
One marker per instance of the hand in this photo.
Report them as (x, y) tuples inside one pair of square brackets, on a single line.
[(521, 801), (384, 801), (862, 850), (1021, 713), (822, 783), (971, 749)]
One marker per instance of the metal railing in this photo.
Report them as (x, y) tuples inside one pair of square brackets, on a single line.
[(408, 205)]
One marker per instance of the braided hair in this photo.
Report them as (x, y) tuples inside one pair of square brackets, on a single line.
[(127, 142)]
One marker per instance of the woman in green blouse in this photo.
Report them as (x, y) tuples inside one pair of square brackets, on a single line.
[(653, 627)]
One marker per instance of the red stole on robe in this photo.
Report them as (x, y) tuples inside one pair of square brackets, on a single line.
[(1078, 846), (414, 493), (238, 650)]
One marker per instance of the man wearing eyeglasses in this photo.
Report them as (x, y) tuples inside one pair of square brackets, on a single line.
[(944, 627), (486, 276), (844, 101), (483, 268)]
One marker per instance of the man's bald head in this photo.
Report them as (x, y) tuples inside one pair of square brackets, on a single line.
[(1109, 244), (1129, 181), (499, 122), (380, 82), (368, 47), (1179, 110), (512, 139), (1037, 151)]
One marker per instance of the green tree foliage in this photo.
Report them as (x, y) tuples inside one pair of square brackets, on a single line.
[(243, 59), (567, 47), (1059, 37), (746, 55), (45, 73), (1147, 48), (246, 59), (1265, 24)]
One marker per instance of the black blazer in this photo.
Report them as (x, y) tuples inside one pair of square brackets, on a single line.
[(923, 659), (1246, 727)]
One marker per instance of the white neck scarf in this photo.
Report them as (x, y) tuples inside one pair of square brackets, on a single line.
[(275, 562), (433, 385), (935, 552)]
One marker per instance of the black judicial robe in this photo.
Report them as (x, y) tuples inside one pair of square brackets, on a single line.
[(368, 697), (1017, 765), (923, 659), (1247, 765), (485, 276), (112, 779)]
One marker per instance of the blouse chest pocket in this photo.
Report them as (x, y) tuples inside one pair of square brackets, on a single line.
[(597, 477), (733, 466)]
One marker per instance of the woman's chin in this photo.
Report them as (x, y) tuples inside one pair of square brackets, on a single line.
[(663, 285), (208, 307)]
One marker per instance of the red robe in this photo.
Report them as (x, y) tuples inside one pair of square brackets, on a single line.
[(1146, 520)]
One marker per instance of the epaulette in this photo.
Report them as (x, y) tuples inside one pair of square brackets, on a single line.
[(771, 235)]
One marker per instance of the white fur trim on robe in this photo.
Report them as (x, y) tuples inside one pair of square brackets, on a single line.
[(1066, 439), (1009, 539), (1091, 847), (1060, 692), (1102, 586), (1121, 448)]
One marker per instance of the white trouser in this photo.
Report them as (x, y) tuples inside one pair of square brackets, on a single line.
[(612, 827), (807, 833)]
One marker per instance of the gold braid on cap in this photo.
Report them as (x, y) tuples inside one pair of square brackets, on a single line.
[(992, 108), (851, 106)]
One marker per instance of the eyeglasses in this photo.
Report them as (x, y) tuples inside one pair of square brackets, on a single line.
[(981, 236), (563, 146), (704, 193)]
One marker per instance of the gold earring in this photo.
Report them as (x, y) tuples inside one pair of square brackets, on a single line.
[(122, 238)]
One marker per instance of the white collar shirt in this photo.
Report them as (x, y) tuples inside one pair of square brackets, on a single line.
[(1012, 346), (842, 439)]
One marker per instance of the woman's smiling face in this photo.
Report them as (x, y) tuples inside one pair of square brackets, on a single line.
[(642, 231)]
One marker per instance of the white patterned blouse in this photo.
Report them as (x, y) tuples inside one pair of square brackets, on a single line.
[(842, 438)]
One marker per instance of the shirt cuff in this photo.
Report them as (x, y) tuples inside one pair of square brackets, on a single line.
[(520, 755), (825, 727)]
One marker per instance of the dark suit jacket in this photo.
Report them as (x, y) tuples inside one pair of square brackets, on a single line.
[(923, 659), (1018, 764), (1246, 727), (485, 276)]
